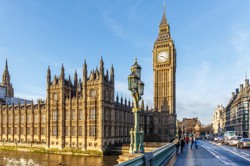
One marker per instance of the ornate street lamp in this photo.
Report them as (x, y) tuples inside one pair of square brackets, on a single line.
[(136, 86)]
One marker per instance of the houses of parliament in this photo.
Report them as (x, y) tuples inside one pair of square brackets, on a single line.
[(85, 113)]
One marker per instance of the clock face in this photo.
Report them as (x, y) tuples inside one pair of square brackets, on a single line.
[(163, 56)]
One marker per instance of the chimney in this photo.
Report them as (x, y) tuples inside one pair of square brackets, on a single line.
[(233, 94), (246, 82), (241, 87), (236, 91)]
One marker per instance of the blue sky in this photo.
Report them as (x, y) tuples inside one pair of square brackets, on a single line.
[(212, 39)]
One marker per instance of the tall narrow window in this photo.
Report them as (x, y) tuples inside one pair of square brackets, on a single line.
[(42, 130), (54, 115), (10, 119), (36, 118), (73, 115), (92, 130), (80, 130), (73, 131), (22, 130), (80, 114), (4, 119), (9, 130), (28, 130), (43, 118), (15, 130), (29, 119), (35, 131), (22, 118), (92, 114), (54, 131), (4, 131), (16, 118), (67, 115), (66, 131)]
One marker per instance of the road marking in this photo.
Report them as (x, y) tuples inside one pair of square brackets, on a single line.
[(235, 153), (221, 158)]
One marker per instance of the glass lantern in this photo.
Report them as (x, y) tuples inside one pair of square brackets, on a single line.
[(136, 68), (140, 88), (133, 81)]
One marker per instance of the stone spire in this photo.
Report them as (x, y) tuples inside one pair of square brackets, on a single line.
[(164, 18), (85, 71), (101, 66), (75, 79), (62, 71), (48, 76), (6, 75)]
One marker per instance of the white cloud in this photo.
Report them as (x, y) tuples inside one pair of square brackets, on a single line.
[(116, 28)]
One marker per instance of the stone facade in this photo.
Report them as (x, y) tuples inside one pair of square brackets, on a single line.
[(84, 113), (164, 66), (217, 121), (81, 114), (189, 126), (236, 114)]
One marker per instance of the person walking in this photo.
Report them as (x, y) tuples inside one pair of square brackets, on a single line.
[(192, 142), (187, 140), (177, 144), (195, 143), (182, 144)]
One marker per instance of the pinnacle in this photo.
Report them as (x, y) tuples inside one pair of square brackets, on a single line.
[(164, 18)]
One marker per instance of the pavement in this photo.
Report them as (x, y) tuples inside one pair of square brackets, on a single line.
[(195, 157)]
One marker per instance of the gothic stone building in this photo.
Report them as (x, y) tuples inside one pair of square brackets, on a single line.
[(81, 114), (84, 113)]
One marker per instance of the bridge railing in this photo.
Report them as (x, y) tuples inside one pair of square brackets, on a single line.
[(158, 157)]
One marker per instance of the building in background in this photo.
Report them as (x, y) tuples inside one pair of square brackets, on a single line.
[(237, 111), (217, 121), (7, 91), (190, 126)]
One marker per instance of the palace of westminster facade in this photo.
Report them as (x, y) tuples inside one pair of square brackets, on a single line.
[(86, 114)]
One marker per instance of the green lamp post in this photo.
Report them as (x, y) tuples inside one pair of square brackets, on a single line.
[(136, 86)]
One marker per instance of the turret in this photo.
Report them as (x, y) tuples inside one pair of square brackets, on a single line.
[(48, 77), (101, 69), (6, 75), (107, 74), (62, 75), (112, 74), (142, 104), (75, 79), (85, 72)]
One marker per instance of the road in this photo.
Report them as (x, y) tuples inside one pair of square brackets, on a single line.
[(210, 153)]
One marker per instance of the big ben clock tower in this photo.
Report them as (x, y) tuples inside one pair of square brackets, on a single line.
[(164, 66)]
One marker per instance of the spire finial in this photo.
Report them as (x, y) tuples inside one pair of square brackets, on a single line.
[(164, 18), (6, 64), (164, 6), (246, 74)]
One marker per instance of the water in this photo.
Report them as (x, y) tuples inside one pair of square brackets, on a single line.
[(11, 158)]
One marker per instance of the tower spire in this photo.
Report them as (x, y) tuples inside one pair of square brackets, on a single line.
[(6, 65), (164, 18)]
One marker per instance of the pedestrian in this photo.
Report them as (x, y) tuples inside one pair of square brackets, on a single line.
[(177, 143), (195, 143), (187, 140), (182, 144), (192, 142)]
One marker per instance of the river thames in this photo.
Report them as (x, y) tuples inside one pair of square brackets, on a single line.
[(11, 158)]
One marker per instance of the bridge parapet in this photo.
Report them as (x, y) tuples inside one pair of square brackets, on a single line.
[(158, 157)]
